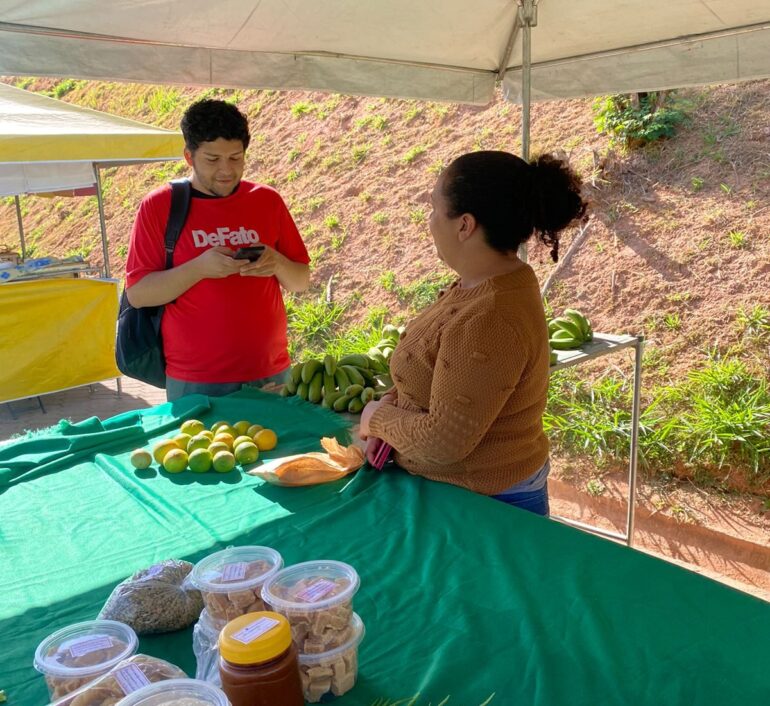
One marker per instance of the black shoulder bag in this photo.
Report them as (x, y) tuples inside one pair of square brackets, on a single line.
[(139, 346)]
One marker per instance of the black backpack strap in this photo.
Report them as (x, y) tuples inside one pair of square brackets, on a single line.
[(180, 206)]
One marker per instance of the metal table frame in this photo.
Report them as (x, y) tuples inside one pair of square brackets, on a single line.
[(603, 344)]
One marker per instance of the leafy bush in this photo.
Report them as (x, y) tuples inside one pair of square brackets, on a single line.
[(635, 122)]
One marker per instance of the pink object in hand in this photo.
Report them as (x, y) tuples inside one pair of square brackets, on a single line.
[(379, 455)]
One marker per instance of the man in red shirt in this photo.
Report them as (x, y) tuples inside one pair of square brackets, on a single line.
[(224, 322)]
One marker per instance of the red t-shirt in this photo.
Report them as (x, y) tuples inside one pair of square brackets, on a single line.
[(220, 330)]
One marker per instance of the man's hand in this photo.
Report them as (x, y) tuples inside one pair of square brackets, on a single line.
[(293, 276), (269, 264), (216, 263)]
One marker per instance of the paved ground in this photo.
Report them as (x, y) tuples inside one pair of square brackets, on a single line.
[(721, 548), (100, 400)]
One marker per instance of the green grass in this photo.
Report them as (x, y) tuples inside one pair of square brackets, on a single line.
[(753, 322), (412, 154), (332, 221), (359, 152), (417, 216), (715, 422), (380, 217), (301, 108), (737, 239)]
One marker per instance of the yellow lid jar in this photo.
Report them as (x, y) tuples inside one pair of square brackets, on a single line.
[(258, 661)]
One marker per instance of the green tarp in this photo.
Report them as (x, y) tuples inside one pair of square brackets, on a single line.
[(462, 596)]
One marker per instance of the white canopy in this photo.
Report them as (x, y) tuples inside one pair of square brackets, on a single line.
[(451, 50)]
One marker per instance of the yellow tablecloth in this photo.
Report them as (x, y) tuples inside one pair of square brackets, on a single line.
[(56, 334)]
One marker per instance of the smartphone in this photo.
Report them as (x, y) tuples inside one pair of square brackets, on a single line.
[(251, 254)]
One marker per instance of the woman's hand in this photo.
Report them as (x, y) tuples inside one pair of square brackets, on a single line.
[(366, 415), (389, 397)]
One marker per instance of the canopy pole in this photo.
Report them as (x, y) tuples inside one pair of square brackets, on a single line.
[(21, 227), (527, 20), (100, 202)]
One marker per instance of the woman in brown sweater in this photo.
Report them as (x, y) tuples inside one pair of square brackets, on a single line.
[(471, 372)]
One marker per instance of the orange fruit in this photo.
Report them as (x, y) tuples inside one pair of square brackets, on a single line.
[(224, 438), (216, 426), (160, 449), (208, 434), (241, 440), (266, 440)]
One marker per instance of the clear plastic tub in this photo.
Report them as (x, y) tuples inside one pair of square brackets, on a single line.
[(177, 692), (332, 673), (76, 655), (230, 580), (123, 679), (206, 648), (317, 599)]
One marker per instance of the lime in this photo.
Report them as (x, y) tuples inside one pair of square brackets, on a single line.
[(199, 441), (160, 449), (192, 427), (200, 461), (253, 429), (224, 461), (216, 447), (141, 459), (241, 427), (246, 453), (242, 440), (182, 440), (216, 426), (175, 461)]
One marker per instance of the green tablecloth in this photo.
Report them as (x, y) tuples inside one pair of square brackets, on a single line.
[(462, 596)]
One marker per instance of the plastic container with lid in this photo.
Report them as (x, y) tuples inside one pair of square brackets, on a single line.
[(177, 692), (258, 661), (76, 655), (230, 581), (333, 673), (317, 598)]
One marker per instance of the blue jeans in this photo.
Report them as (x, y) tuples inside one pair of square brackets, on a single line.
[(531, 493), (179, 388)]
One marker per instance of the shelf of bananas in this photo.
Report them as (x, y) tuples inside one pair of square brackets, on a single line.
[(569, 331), (347, 383)]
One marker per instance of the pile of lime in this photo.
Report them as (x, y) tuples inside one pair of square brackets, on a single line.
[(200, 450)]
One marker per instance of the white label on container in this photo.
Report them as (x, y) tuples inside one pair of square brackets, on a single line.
[(234, 572), (130, 678), (85, 645), (253, 630), (316, 590)]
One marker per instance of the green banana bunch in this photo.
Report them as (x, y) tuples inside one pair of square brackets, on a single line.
[(344, 385), (569, 331)]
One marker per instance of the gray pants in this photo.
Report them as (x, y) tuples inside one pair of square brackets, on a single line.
[(179, 388)]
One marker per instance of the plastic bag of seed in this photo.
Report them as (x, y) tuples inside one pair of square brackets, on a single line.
[(155, 599)]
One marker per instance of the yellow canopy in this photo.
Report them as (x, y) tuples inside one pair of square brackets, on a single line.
[(48, 145), (57, 334)]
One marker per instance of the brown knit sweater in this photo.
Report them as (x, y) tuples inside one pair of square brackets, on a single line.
[(472, 376)]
